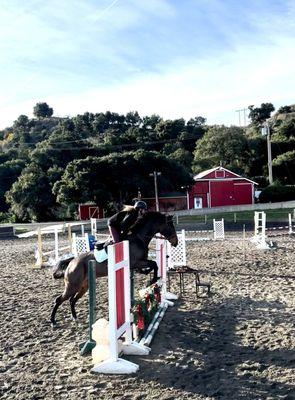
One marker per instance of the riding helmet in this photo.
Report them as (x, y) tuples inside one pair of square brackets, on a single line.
[(140, 205)]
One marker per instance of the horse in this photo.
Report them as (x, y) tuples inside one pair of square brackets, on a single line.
[(76, 273)]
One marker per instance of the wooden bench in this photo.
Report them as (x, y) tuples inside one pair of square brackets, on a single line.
[(6, 232)]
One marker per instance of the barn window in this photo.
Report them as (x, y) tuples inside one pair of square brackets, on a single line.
[(220, 174)]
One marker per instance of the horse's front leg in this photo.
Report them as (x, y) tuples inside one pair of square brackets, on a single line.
[(147, 266)]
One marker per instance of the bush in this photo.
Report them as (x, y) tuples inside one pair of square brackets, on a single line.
[(277, 192), (7, 218)]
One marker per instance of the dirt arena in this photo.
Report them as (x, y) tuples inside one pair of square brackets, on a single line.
[(237, 344)]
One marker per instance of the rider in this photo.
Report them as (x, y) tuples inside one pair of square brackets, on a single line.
[(120, 223)]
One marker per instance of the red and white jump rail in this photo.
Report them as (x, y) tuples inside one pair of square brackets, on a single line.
[(120, 313)]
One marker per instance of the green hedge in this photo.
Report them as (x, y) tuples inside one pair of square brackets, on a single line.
[(277, 192)]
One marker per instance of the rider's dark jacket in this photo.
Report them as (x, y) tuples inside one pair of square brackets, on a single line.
[(123, 221)]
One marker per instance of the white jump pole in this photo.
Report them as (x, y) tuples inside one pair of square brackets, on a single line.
[(56, 243), (39, 249)]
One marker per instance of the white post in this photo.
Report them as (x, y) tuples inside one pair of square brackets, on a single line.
[(56, 243), (112, 307), (39, 249), (269, 157), (290, 224), (93, 226), (244, 242), (70, 237), (187, 199), (184, 246), (82, 230), (263, 235)]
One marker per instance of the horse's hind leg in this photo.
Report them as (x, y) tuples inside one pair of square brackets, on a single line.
[(75, 298), (58, 301), (147, 266), (155, 269)]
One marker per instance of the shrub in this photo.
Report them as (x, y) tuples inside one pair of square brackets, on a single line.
[(277, 192)]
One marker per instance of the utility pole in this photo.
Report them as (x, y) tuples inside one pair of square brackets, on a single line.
[(187, 195), (243, 110), (155, 174), (239, 116), (266, 132)]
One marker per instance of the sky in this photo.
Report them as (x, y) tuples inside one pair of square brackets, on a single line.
[(174, 58)]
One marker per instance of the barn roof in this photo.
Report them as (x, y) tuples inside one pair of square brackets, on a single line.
[(204, 174)]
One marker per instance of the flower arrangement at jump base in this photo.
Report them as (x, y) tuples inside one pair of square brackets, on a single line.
[(145, 308)]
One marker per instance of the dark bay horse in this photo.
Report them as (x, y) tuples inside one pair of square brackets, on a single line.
[(76, 273)]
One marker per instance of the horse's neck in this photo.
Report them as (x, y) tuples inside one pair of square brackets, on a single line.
[(147, 233)]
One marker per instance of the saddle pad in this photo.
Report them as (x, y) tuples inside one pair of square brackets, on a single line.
[(100, 255)]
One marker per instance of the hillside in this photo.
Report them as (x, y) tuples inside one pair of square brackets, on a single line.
[(48, 165)]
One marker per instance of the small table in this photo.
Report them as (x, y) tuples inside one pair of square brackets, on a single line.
[(181, 272)]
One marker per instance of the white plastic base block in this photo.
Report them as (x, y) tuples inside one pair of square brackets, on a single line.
[(171, 296), (115, 367), (135, 349), (169, 303), (263, 246)]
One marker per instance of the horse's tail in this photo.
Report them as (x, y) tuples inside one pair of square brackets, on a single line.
[(58, 271)]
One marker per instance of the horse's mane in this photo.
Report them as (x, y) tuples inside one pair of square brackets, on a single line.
[(148, 217)]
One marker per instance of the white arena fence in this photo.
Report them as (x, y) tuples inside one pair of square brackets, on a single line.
[(59, 252)]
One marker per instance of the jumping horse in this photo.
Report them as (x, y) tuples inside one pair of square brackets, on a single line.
[(76, 274)]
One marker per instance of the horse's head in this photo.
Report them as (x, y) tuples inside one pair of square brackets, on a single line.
[(168, 230)]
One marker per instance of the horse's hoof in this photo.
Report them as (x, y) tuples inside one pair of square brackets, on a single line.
[(53, 323)]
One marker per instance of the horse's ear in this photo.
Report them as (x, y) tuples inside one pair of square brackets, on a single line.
[(169, 217)]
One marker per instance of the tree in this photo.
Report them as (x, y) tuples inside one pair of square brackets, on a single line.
[(42, 110), (260, 114), (9, 172), (115, 178), (61, 147), (197, 121), (132, 118), (170, 129), (284, 167), (149, 122), (286, 129), (30, 197), (221, 145), (183, 157), (285, 110)]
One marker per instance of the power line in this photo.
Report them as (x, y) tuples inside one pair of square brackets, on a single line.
[(117, 146)]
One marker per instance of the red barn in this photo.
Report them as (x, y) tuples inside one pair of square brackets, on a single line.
[(87, 211), (219, 187)]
